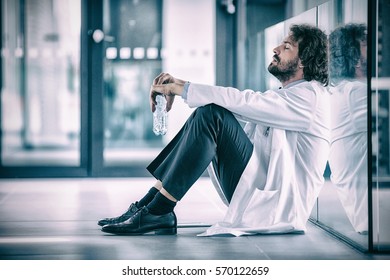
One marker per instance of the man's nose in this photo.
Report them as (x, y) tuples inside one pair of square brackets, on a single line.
[(276, 50)]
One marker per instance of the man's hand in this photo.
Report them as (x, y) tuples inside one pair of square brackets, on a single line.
[(167, 85)]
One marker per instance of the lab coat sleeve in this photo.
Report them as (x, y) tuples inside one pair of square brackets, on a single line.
[(289, 109)]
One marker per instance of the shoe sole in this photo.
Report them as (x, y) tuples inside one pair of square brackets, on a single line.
[(166, 231), (161, 231)]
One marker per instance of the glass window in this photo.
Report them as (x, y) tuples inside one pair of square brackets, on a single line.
[(141, 40), (343, 201), (40, 82)]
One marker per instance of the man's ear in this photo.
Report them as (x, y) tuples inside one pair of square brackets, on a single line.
[(358, 64), (300, 65)]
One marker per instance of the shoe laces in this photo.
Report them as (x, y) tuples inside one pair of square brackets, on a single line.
[(140, 211), (126, 214)]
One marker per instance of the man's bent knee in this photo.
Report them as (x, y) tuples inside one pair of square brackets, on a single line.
[(212, 109)]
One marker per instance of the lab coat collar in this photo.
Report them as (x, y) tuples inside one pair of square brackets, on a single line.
[(294, 83)]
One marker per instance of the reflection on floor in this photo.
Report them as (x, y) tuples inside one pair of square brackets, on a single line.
[(332, 213), (56, 219)]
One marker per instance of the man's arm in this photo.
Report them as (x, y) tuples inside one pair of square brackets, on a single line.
[(291, 109)]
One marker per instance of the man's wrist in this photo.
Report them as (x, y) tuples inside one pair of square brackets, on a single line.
[(185, 90)]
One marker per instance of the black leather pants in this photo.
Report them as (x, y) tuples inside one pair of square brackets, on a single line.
[(211, 134)]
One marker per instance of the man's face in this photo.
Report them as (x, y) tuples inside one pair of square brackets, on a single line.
[(285, 62)]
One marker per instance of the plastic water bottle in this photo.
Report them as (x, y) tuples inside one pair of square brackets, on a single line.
[(160, 116)]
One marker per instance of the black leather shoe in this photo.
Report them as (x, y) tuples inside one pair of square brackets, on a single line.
[(144, 222), (125, 216)]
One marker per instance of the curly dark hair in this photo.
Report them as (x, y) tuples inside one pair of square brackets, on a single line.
[(312, 50), (344, 50)]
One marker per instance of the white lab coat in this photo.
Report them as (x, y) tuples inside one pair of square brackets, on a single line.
[(348, 152), (283, 178)]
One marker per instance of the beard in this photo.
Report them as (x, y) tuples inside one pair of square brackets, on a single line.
[(283, 71)]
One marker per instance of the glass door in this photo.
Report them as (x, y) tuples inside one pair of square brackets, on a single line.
[(75, 78), (125, 42), (74, 87), (130, 43), (40, 88), (132, 58)]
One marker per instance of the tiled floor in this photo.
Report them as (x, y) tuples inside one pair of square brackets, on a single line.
[(56, 219)]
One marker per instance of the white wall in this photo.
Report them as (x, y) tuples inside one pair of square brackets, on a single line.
[(188, 49)]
